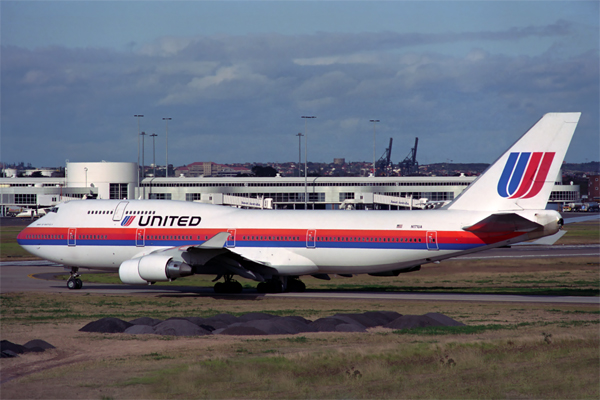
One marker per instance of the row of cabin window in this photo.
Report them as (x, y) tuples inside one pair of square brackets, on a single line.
[(334, 239), (367, 239), (45, 237), (127, 212), (271, 238), (92, 237), (173, 237)]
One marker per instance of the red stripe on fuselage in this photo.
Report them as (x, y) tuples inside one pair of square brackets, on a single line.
[(250, 235)]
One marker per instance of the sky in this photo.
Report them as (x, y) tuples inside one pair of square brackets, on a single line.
[(467, 78)]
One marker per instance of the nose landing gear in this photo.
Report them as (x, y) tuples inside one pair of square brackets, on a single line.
[(74, 282)]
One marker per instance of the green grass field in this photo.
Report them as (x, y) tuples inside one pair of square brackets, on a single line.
[(9, 249)]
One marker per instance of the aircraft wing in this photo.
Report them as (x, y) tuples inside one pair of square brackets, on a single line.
[(213, 256), (505, 222)]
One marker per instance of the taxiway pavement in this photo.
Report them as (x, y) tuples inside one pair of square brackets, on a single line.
[(38, 276)]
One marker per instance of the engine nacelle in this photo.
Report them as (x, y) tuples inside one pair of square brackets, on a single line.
[(152, 268)]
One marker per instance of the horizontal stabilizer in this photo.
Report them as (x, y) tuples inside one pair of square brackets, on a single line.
[(503, 223), (545, 241), (581, 219)]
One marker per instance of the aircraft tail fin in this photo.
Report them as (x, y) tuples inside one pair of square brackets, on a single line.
[(523, 177)]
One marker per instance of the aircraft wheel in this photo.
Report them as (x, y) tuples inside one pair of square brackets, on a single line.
[(78, 283), (261, 287), (278, 287), (236, 287), (271, 286), (71, 284), (219, 287), (296, 285)]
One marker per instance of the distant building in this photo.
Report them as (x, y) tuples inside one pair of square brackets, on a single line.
[(594, 188), (209, 168), (105, 180), (118, 181)]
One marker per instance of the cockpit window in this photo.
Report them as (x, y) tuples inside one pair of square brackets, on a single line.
[(53, 209)]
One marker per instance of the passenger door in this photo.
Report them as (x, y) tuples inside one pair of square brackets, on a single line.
[(118, 214), (72, 237), (231, 238), (311, 239), (140, 237), (432, 242)]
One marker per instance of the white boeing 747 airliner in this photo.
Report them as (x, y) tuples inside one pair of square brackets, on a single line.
[(149, 241)]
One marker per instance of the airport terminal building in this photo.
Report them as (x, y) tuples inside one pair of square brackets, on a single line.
[(117, 180)]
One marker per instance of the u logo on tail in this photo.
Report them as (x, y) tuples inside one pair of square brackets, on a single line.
[(524, 174)]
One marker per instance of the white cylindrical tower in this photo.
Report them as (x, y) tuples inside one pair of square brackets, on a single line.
[(113, 179)]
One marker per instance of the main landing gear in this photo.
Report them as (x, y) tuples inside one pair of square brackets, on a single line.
[(74, 282), (229, 286), (279, 285)]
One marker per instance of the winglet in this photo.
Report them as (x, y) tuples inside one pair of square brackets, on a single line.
[(216, 242)]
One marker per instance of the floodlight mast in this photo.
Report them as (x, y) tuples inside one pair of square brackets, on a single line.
[(374, 121), (138, 116), (299, 151), (153, 136), (167, 119), (305, 161)]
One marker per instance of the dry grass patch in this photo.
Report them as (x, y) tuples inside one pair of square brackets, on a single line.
[(509, 358)]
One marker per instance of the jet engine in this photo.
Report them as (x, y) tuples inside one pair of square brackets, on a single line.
[(152, 268)]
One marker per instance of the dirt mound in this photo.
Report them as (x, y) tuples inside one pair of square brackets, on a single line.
[(201, 322), (242, 331), (297, 324), (179, 327), (10, 349), (382, 317), (255, 316), (145, 321), (38, 343), (140, 330), (358, 319), (447, 321), (334, 324), (266, 324), (107, 325)]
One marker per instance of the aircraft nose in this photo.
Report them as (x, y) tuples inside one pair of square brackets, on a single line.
[(22, 236)]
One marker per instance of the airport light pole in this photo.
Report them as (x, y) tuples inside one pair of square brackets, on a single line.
[(299, 151), (374, 121), (305, 160), (167, 119), (138, 116), (153, 136), (143, 135)]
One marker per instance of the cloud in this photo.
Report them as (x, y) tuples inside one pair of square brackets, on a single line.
[(240, 98)]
